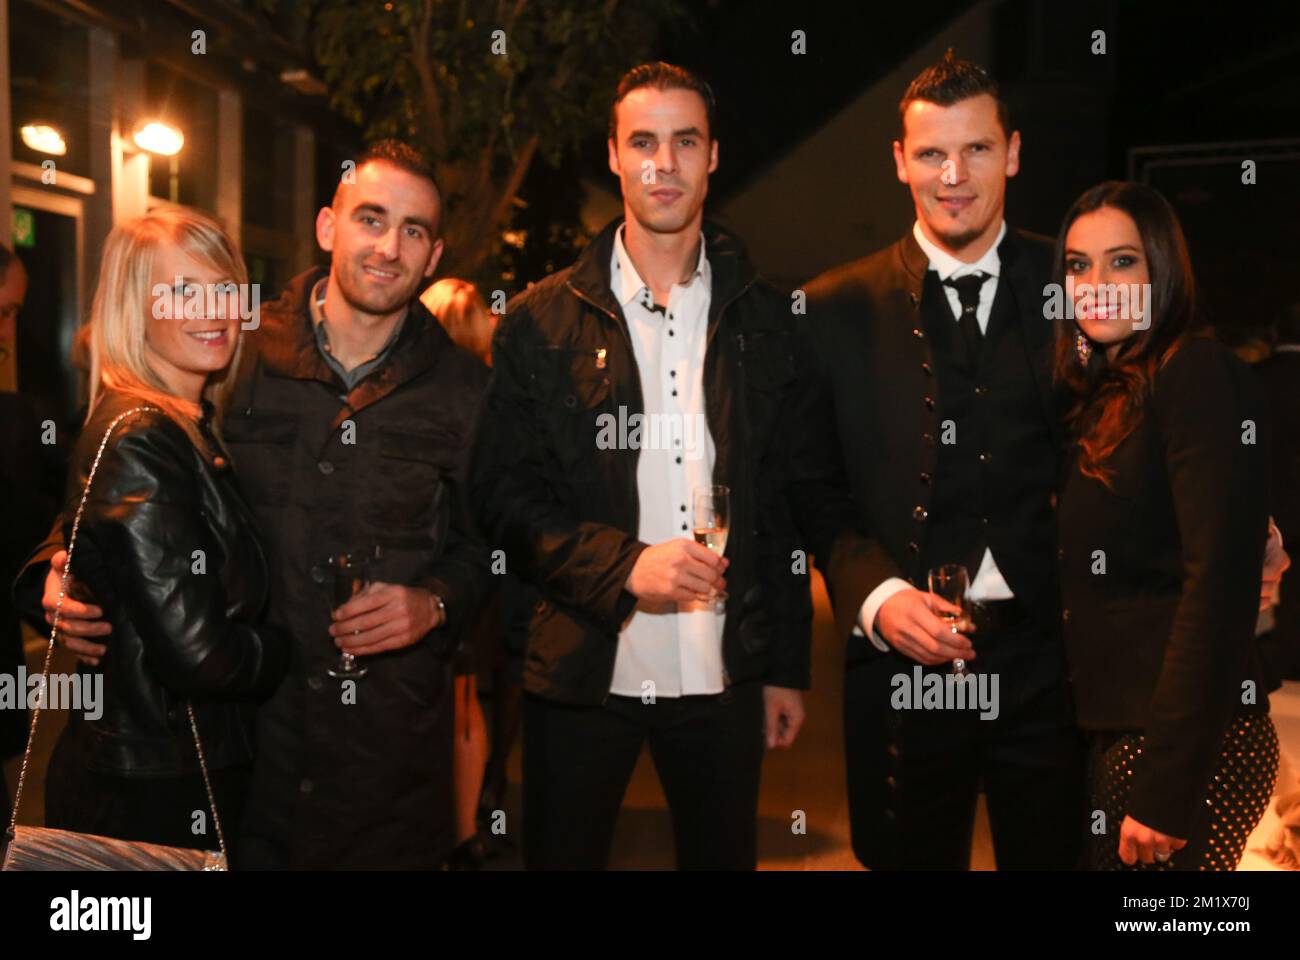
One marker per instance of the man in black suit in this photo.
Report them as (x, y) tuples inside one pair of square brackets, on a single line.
[(935, 358)]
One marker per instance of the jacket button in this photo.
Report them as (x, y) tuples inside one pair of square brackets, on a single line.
[(570, 401), (980, 391), (913, 548), (1060, 553), (1065, 614), (325, 467), (929, 402), (314, 683), (919, 513), (890, 781), (918, 333), (985, 458), (926, 368), (306, 786), (925, 478), (927, 439)]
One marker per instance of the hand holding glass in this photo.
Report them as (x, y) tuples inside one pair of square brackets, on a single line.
[(712, 520), (951, 583)]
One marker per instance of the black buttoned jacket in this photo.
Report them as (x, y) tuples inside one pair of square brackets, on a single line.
[(361, 782), (879, 424), (564, 507)]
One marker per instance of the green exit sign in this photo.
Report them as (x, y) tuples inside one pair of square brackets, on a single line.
[(24, 225)]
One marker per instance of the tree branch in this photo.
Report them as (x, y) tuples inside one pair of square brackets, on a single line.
[(433, 107)]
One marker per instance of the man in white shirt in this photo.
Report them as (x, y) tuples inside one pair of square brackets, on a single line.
[(655, 370)]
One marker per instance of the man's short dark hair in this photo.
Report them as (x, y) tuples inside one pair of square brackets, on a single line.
[(952, 80), (399, 154), (662, 76)]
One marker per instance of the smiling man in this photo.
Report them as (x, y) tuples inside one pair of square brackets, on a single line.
[(936, 352), (350, 423), (661, 318)]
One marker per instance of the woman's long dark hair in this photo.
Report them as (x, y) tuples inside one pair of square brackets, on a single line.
[(1108, 397)]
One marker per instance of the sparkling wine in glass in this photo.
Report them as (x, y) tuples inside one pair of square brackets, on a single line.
[(350, 575), (951, 582), (712, 520)]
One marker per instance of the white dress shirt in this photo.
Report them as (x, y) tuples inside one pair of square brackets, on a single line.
[(988, 582), (677, 646)]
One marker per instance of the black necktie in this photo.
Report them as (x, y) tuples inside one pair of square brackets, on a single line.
[(968, 293)]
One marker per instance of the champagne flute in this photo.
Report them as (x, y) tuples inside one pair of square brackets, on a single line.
[(712, 520), (951, 582), (351, 575)]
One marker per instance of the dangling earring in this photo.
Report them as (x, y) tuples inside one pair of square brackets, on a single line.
[(1083, 346)]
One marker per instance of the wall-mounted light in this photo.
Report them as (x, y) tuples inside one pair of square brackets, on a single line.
[(44, 138), (160, 138)]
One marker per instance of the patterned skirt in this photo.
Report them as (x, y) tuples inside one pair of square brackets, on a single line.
[(1236, 796)]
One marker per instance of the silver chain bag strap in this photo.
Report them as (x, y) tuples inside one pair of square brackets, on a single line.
[(41, 848)]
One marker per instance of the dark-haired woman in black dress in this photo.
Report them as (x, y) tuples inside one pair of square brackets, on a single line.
[(1163, 519)]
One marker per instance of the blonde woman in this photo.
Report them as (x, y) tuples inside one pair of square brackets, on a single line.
[(165, 547)]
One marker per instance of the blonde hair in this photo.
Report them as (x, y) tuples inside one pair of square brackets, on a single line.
[(124, 302), (463, 314)]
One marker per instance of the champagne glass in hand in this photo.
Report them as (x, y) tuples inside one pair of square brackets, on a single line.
[(950, 582), (712, 520), (351, 575)]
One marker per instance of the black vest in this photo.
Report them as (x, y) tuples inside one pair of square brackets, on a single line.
[(995, 469)]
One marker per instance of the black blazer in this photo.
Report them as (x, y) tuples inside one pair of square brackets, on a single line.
[(1163, 640), (566, 511), (876, 430)]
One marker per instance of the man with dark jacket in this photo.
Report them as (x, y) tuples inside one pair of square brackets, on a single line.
[(656, 366), (350, 421), (941, 414), (935, 354)]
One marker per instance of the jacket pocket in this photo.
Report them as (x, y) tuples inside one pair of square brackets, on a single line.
[(261, 445), (573, 391), (572, 378), (767, 357), (411, 474)]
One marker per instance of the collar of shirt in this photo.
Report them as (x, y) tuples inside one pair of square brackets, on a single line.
[(946, 265), (626, 283), (317, 305)]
